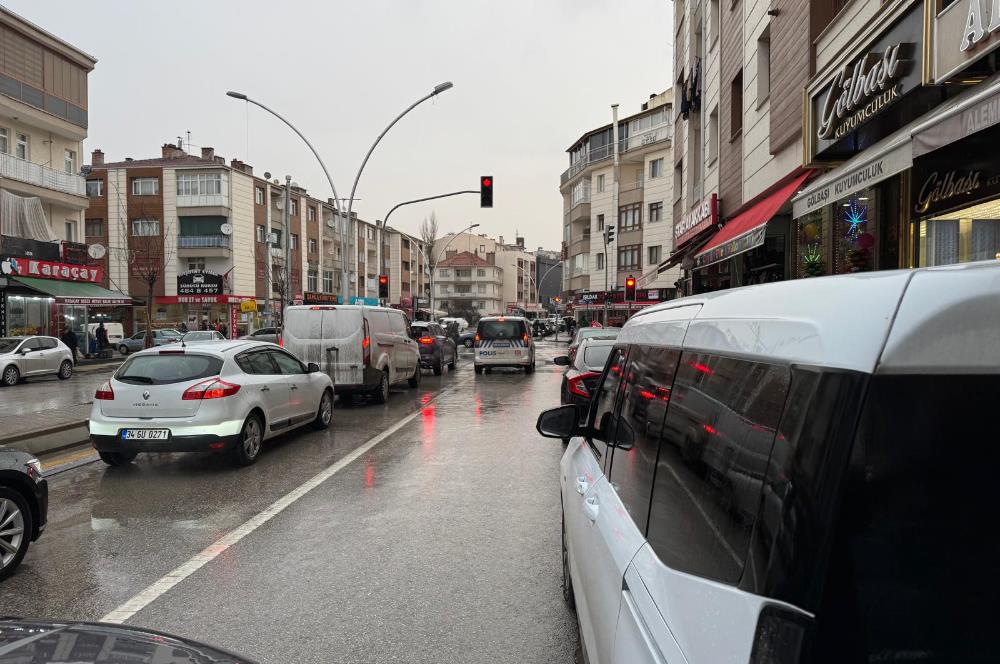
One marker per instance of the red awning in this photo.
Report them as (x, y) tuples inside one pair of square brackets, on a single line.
[(746, 230)]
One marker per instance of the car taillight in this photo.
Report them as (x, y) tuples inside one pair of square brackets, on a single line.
[(782, 637), (213, 388), (427, 341), (578, 387), (525, 337), (104, 392), (475, 339), (366, 345)]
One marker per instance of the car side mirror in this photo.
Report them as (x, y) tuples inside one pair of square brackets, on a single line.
[(312, 367), (561, 360), (559, 422), (24, 351)]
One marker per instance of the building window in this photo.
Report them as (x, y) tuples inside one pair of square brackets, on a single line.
[(70, 231), (4, 147), (145, 186), (600, 182), (600, 222), (69, 161), (600, 261), (312, 281), (261, 233), (196, 264), (481, 288), (463, 273), (629, 257), (764, 66), (95, 188), (145, 227), (199, 184), (22, 146), (295, 241), (258, 195), (482, 248), (629, 217), (656, 168), (313, 246), (678, 180), (327, 281), (310, 213), (654, 255), (655, 212), (481, 305), (713, 135), (294, 207), (736, 110), (444, 272), (480, 272), (94, 227)]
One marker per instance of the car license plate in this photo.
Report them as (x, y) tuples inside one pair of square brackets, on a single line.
[(145, 434), (501, 345)]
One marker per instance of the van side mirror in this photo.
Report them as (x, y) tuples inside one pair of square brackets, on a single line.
[(561, 360), (312, 367), (559, 422)]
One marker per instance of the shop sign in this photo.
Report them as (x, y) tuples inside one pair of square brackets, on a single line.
[(972, 120), (250, 306), (702, 216), (752, 238), (853, 179), (76, 253), (965, 32), (25, 248), (865, 87), (310, 297), (27, 267), (3, 313), (597, 297), (953, 178), (234, 320), (367, 301), (203, 299), (94, 301), (199, 283)]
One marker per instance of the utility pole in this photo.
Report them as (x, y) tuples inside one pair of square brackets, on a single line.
[(614, 203), (288, 244)]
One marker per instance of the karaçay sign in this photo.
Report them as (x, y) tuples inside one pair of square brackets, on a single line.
[(29, 267)]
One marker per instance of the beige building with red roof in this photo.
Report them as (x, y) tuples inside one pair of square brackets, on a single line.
[(465, 281)]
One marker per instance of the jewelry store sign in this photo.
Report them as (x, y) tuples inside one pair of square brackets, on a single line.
[(965, 32), (852, 178)]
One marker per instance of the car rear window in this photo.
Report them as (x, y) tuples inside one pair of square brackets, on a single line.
[(596, 356), (168, 368), (501, 329)]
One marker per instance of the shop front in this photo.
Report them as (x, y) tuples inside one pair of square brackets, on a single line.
[(610, 309), (691, 233), (202, 303)]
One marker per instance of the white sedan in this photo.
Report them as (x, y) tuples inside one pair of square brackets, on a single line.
[(222, 396)]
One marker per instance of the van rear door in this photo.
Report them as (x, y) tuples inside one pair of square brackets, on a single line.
[(344, 330)]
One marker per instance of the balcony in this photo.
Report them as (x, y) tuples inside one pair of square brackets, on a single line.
[(203, 200), (630, 190), (203, 245), (658, 134), (31, 173)]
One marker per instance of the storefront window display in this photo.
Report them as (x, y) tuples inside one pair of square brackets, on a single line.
[(28, 315), (972, 234), (841, 238), (812, 243)]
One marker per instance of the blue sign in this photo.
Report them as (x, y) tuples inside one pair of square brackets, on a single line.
[(367, 301)]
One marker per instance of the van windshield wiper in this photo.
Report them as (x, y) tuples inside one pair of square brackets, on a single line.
[(146, 380)]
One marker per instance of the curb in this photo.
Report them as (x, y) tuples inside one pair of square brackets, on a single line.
[(13, 441)]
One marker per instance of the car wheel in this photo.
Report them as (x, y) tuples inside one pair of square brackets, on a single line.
[(15, 530), (382, 391), (467, 343), (250, 440), (123, 349), (65, 370), (117, 458), (414, 380), (530, 369), (567, 580), (10, 376), (438, 366), (325, 413), (479, 370)]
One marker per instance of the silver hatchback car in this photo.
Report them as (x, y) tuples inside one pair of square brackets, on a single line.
[(222, 396), (33, 356)]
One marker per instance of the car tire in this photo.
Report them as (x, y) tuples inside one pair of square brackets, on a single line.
[(530, 369), (468, 343), (11, 501), (250, 441), (567, 580), (438, 366), (479, 370), (65, 370), (381, 393), (117, 458), (11, 376), (123, 349), (324, 415), (414, 380)]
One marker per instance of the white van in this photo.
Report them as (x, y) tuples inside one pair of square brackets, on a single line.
[(115, 332), (365, 349), (463, 324), (796, 472)]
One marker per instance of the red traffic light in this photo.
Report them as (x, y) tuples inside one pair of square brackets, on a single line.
[(383, 279), (487, 182), (630, 283)]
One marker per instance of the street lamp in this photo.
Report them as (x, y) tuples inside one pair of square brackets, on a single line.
[(443, 249)]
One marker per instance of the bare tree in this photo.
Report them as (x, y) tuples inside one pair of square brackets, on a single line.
[(149, 256), (428, 235)]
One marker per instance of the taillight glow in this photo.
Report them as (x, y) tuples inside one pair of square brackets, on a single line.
[(698, 366), (427, 341), (577, 386), (525, 337), (475, 339), (213, 388), (710, 429), (646, 394), (104, 392), (365, 343)]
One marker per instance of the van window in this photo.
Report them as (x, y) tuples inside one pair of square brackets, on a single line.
[(501, 329), (304, 323), (602, 415), (648, 379), (911, 564), (378, 321), (717, 440), (397, 322)]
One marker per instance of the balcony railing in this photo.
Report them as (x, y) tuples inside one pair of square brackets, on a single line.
[(203, 241), (203, 200), (41, 176), (652, 135)]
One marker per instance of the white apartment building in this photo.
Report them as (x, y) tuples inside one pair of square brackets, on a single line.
[(518, 265), (466, 282), (635, 200)]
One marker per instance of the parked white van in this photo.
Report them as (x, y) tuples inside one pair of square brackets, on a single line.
[(365, 349), (799, 472)]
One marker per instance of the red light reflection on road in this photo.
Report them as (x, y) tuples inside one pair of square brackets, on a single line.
[(429, 417), (369, 475), (479, 408)]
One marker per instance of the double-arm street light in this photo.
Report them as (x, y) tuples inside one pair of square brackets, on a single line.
[(344, 231)]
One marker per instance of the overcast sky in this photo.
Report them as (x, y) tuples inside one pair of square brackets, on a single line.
[(530, 77)]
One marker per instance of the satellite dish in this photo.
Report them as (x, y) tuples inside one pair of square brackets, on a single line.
[(97, 251), (226, 229)]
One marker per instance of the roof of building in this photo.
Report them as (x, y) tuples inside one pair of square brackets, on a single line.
[(188, 160), (463, 259), (668, 100)]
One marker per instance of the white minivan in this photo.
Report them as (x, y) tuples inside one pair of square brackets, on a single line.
[(800, 472), (366, 349)]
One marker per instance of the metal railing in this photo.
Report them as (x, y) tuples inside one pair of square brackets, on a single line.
[(42, 176), (660, 132), (203, 241), (203, 200)]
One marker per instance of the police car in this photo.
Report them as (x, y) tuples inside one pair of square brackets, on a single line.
[(504, 341)]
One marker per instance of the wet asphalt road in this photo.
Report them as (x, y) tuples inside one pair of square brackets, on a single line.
[(438, 544), (44, 393)]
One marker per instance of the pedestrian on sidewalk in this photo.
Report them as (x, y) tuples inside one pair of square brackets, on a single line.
[(224, 330), (69, 338), (101, 334)]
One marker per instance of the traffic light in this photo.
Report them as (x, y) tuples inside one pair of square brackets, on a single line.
[(383, 286), (557, 299), (609, 234), (630, 288), (486, 191)]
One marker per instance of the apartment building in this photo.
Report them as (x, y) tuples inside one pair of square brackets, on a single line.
[(43, 123), (466, 282), (629, 192), (407, 271), (518, 265)]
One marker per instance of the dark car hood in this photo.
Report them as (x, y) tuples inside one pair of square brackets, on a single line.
[(31, 641)]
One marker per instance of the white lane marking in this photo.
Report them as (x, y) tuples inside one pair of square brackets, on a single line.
[(209, 553)]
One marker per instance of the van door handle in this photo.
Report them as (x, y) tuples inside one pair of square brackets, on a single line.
[(581, 484), (591, 507), (265, 389), (295, 387)]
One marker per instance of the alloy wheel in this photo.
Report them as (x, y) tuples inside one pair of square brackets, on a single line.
[(10, 376), (326, 408), (251, 438), (66, 370), (11, 531)]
